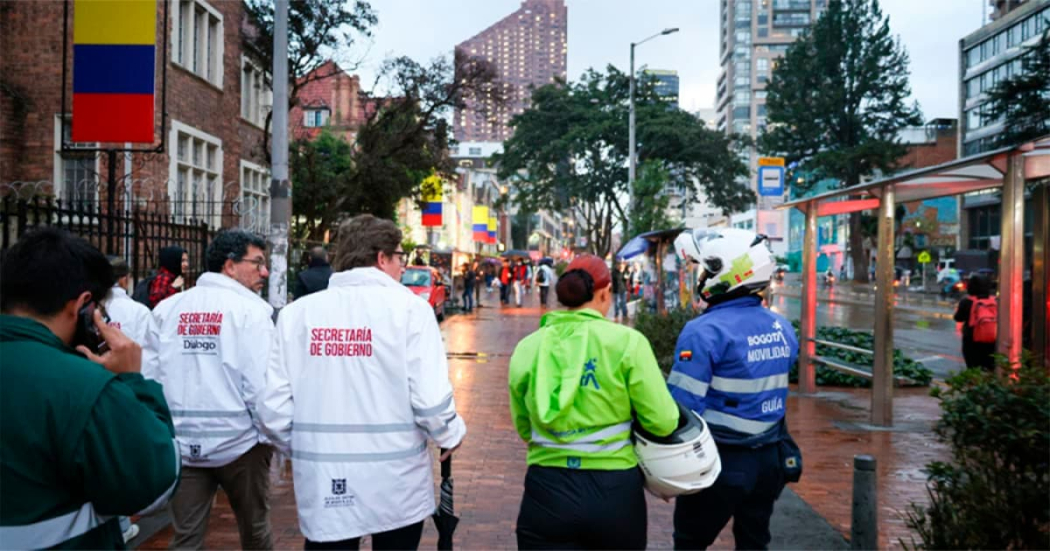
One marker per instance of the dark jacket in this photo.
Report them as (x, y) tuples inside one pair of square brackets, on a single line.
[(313, 279), (617, 281), (976, 354)]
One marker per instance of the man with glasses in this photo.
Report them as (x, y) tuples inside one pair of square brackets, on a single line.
[(208, 347), (357, 385)]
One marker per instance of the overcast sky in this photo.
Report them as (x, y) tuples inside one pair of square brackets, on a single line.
[(600, 32)]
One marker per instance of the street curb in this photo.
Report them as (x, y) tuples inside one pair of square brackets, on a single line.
[(906, 307)]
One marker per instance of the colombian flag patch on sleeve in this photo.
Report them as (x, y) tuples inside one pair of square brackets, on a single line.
[(685, 355)]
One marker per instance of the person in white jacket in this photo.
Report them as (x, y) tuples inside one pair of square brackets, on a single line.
[(357, 383), (209, 347)]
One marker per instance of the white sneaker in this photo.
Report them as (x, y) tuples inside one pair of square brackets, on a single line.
[(131, 532)]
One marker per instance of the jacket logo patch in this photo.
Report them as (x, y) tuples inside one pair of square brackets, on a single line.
[(195, 451), (572, 462), (685, 356), (338, 486), (339, 497), (588, 377)]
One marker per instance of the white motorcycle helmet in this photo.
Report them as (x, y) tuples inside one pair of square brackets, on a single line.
[(684, 462), (735, 262)]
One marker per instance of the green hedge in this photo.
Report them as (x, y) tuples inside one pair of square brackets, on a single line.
[(663, 330)]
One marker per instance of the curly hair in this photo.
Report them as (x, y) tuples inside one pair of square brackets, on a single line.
[(230, 244), (361, 239)]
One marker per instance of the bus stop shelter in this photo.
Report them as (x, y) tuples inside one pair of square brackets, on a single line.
[(1007, 169)]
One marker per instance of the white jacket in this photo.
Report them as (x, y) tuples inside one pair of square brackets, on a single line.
[(209, 347), (358, 380), (132, 318)]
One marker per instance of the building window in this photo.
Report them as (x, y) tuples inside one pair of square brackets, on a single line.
[(195, 188), (762, 64), (197, 39), (256, 93), (790, 19), (474, 151), (314, 118), (255, 198), (76, 174)]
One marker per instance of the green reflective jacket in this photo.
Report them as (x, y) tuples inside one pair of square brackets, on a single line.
[(80, 444), (575, 385)]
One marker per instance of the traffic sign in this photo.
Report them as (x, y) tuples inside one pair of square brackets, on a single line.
[(771, 181), (924, 257), (770, 161)]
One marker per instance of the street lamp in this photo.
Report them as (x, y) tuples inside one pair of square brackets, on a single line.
[(631, 145)]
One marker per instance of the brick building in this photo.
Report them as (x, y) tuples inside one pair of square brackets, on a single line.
[(528, 49), (329, 98), (213, 167)]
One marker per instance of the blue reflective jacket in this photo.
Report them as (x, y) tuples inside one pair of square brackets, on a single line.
[(731, 366)]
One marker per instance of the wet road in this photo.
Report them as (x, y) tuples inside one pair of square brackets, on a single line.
[(925, 333)]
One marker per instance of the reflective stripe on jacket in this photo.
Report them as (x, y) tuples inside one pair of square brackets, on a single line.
[(358, 382), (731, 366), (209, 348), (574, 385)]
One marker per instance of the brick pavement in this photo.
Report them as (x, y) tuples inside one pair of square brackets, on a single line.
[(489, 469)]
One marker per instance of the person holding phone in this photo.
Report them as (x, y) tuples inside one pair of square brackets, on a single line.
[(86, 437)]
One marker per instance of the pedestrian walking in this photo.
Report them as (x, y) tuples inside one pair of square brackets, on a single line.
[(619, 290), (315, 277), (170, 277), (574, 386), (544, 277), (978, 312), (521, 275), (479, 280), (358, 383), (209, 347), (469, 278), (85, 437), (731, 367), (506, 277)]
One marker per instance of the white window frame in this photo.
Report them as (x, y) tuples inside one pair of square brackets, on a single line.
[(255, 214), (209, 44), (59, 164), (308, 117), (177, 166), (256, 97)]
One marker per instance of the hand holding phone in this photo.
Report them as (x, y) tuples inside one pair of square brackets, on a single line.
[(123, 354)]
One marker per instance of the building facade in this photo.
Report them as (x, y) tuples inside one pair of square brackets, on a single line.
[(666, 84), (987, 56), (528, 49), (329, 98), (754, 34)]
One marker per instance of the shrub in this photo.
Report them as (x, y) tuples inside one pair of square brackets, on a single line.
[(903, 366), (994, 492), (662, 332)]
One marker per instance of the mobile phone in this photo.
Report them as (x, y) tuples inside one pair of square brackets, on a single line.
[(87, 332)]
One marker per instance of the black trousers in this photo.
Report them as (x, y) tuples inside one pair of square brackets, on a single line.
[(750, 482), (582, 509), (544, 289), (406, 537)]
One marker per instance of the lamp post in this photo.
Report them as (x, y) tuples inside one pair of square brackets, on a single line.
[(631, 145)]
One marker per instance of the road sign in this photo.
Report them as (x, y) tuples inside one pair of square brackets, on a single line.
[(771, 181), (924, 257), (770, 161)]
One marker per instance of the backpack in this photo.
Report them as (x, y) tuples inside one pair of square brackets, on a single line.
[(541, 275), (141, 292), (984, 314)]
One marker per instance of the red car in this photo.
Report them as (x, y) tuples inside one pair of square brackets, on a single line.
[(426, 282)]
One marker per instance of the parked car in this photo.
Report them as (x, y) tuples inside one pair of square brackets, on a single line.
[(425, 282)]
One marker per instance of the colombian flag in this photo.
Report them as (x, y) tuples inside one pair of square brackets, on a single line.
[(432, 201), (492, 230), (114, 61), (480, 224)]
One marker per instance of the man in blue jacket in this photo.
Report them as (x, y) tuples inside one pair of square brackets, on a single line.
[(731, 367)]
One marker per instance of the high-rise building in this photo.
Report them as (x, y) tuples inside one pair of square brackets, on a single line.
[(989, 55), (666, 84), (529, 50), (754, 34)]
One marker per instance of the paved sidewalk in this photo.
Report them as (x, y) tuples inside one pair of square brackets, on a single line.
[(490, 467)]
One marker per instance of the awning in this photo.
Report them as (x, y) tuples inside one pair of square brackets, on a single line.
[(640, 243)]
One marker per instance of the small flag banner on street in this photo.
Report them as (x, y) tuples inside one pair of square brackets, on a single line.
[(114, 61), (481, 224), (492, 230), (431, 187)]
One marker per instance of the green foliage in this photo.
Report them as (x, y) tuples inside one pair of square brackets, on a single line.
[(993, 492), (559, 267), (320, 170), (903, 366), (651, 202), (1022, 101), (569, 152), (662, 331), (836, 103)]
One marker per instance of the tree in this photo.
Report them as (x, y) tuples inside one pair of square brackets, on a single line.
[(651, 200), (1023, 101), (569, 152), (316, 29), (836, 103), (320, 168)]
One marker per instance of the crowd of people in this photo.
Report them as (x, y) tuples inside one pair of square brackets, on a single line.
[(105, 418)]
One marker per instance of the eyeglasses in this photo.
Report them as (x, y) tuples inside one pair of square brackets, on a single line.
[(400, 255), (260, 263)]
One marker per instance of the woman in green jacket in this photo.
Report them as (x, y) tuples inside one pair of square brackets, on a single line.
[(576, 384)]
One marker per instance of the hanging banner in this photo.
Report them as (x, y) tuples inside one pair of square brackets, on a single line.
[(480, 224), (431, 188), (114, 63), (492, 230)]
